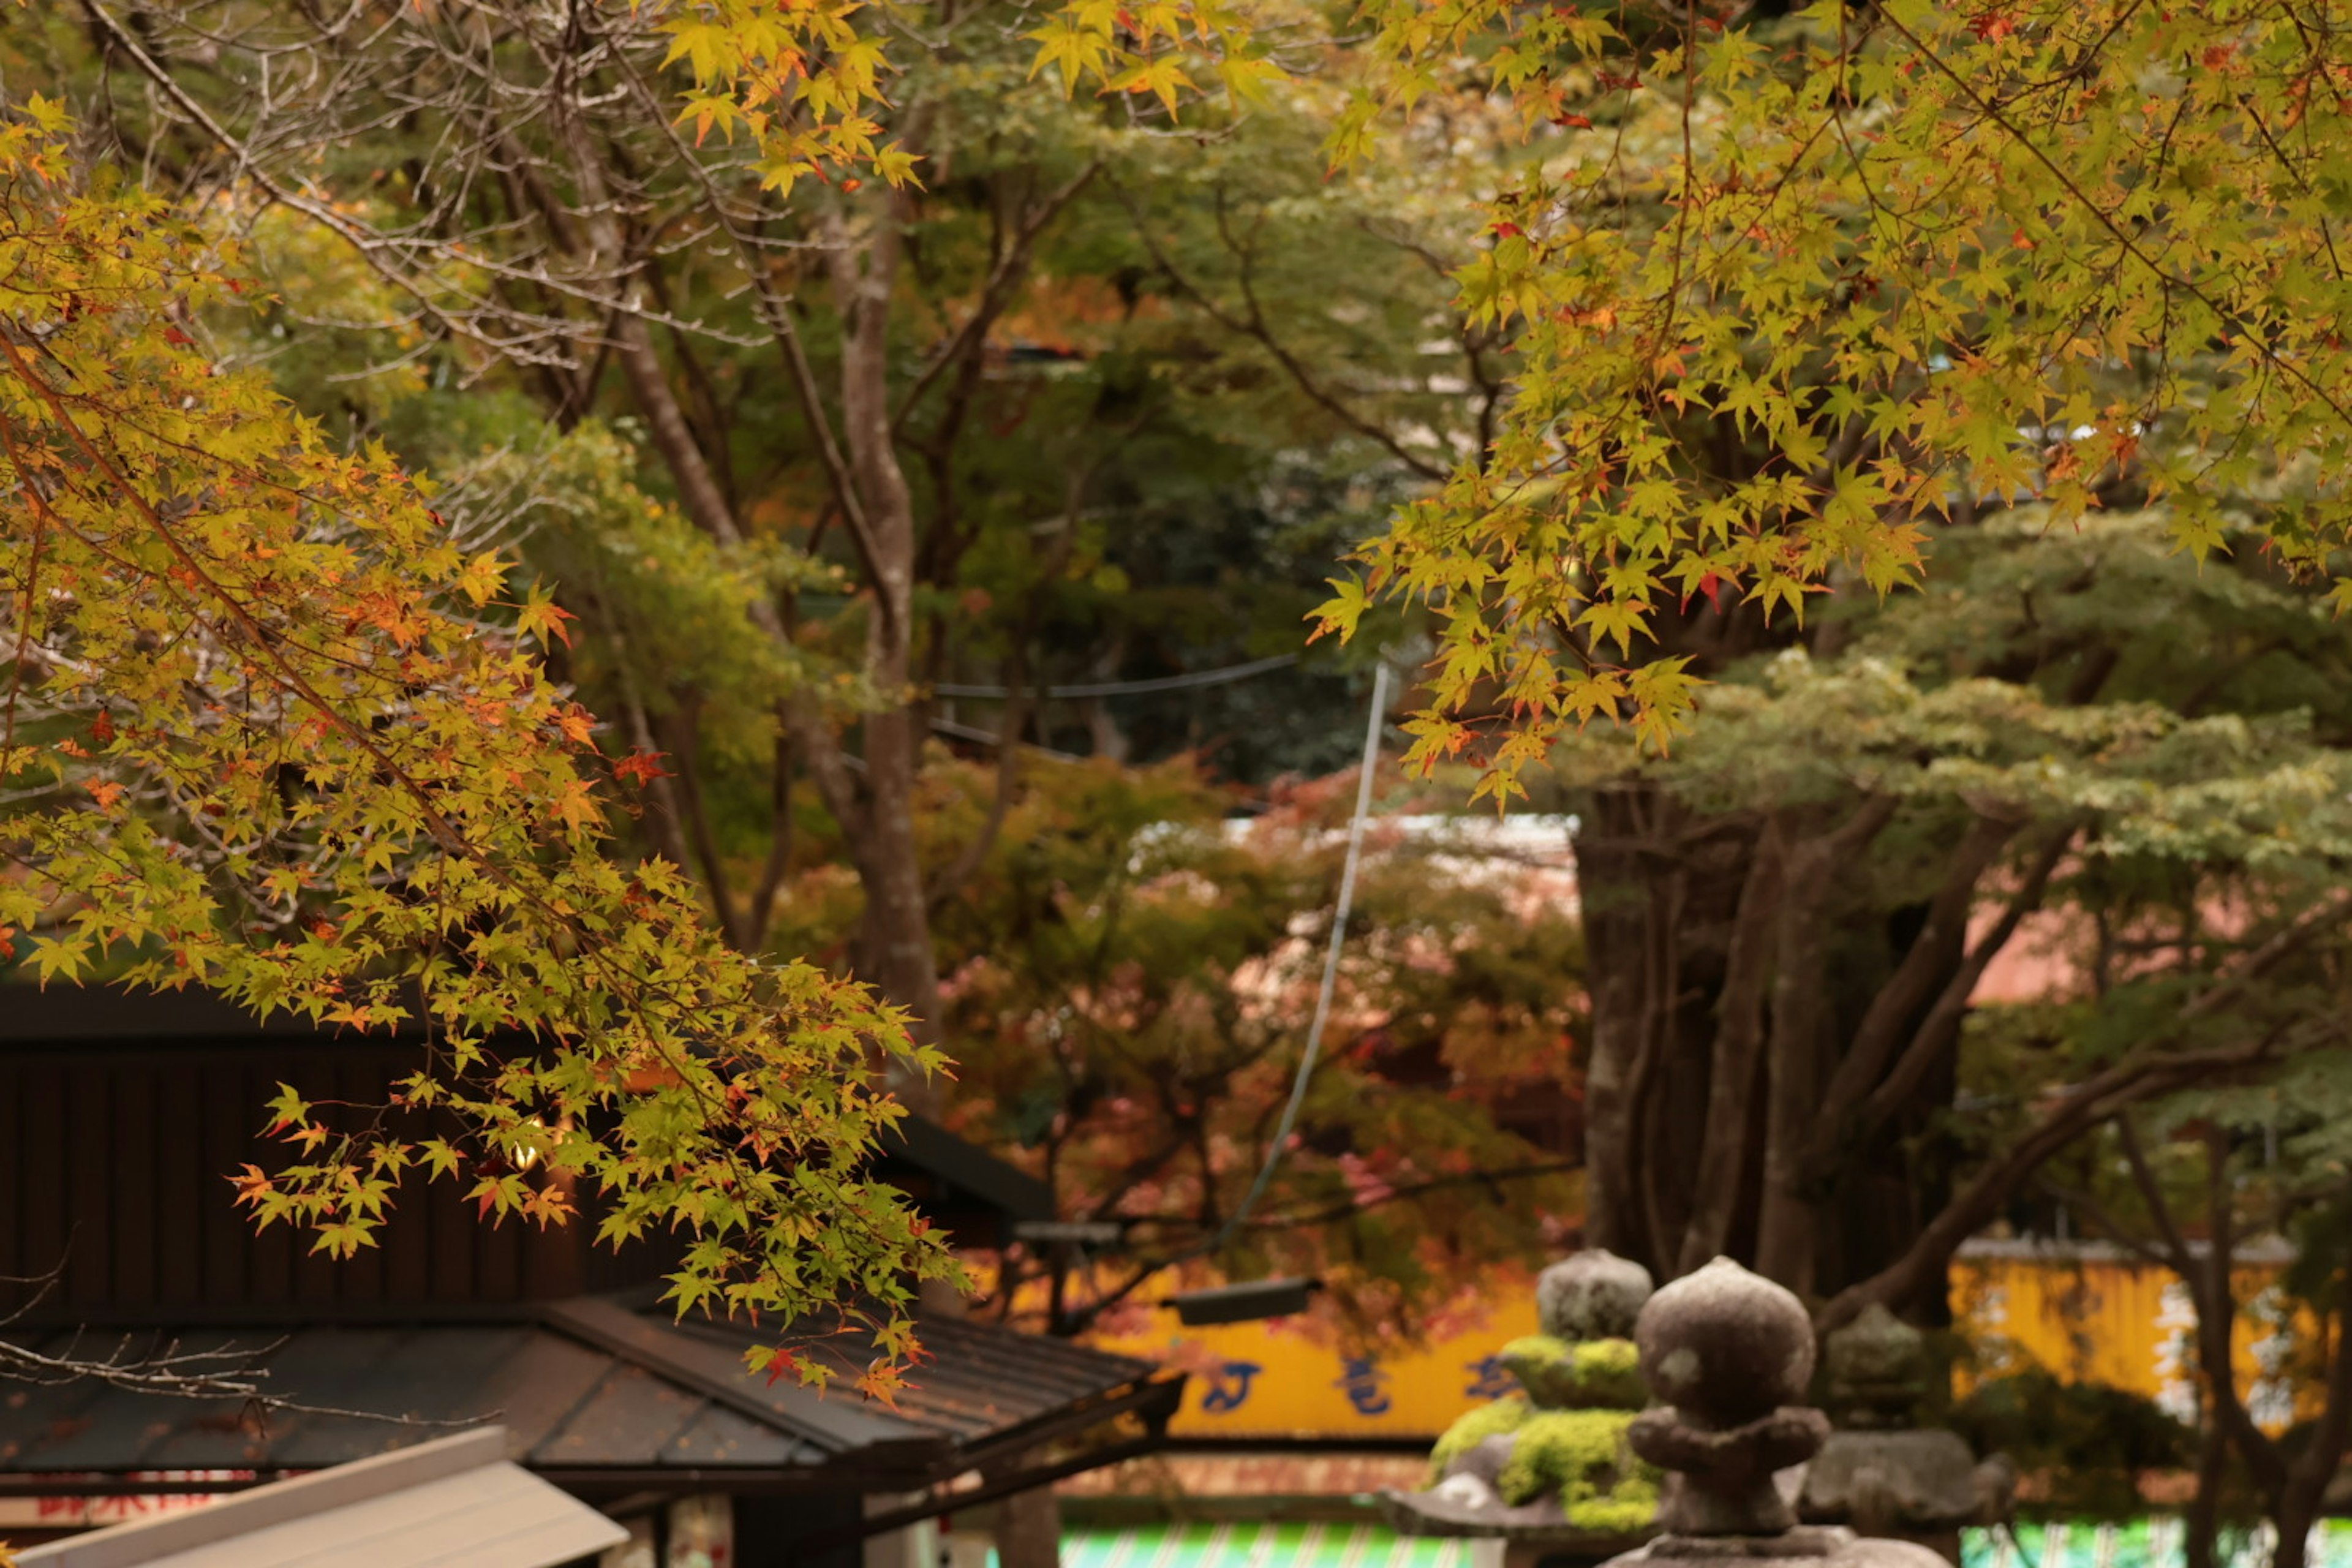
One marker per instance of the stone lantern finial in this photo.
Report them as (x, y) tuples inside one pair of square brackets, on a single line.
[(1728, 1351), (1593, 1295)]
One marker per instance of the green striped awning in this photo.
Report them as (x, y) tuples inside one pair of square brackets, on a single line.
[(2137, 1543), (1247, 1545)]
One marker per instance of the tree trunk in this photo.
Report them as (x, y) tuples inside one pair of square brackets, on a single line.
[(893, 949), (2303, 1498), (1612, 888), (2201, 1521), (1787, 1222), (1732, 967), (2294, 1524), (1662, 892)]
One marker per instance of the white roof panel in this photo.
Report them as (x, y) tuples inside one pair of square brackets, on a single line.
[(455, 1503)]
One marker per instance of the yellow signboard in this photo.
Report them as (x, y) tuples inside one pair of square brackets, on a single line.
[(2128, 1324), (2087, 1319), (1257, 1380)]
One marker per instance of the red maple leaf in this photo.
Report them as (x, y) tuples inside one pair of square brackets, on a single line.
[(641, 767)]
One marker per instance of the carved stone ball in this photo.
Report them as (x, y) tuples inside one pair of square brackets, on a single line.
[(1725, 1346), (1594, 1295)]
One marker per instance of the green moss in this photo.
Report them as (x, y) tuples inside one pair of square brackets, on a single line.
[(1538, 1350), (1595, 1360), (1631, 1506), (1561, 1449), (1506, 1415), (1580, 1455), (1590, 1373)]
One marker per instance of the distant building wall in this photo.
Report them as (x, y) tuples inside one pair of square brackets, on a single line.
[(2083, 1312)]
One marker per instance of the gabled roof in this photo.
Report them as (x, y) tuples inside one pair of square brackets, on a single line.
[(452, 1503), (590, 1390)]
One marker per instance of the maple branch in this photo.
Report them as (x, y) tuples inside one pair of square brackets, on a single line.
[(776, 314), (2129, 243), (595, 953), (26, 591), (2145, 1072), (1336, 1212), (2076, 1199), (2216, 1304), (442, 831)]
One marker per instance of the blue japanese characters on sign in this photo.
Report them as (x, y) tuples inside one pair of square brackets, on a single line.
[(1229, 1387), (1361, 1379), (1488, 1378)]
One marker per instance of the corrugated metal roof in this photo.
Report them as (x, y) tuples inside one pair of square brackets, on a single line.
[(592, 1385), (454, 1503)]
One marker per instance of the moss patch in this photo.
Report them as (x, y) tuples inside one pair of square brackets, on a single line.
[(1538, 1350), (1586, 1375), (1504, 1415), (1580, 1457), (1595, 1360), (1631, 1507)]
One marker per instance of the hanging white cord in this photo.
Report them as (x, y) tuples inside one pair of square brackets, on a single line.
[(1330, 961)]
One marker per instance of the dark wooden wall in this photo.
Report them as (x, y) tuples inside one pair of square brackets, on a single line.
[(123, 1116), (114, 1164)]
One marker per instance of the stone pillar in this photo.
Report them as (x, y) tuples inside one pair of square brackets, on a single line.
[(1029, 1530)]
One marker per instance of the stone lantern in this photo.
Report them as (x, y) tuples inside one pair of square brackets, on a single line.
[(1881, 1471), (1728, 1352), (1547, 1468)]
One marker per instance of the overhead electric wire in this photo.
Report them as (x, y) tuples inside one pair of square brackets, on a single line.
[(991, 738), (1131, 688)]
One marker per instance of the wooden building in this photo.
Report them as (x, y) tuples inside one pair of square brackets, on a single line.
[(120, 1117)]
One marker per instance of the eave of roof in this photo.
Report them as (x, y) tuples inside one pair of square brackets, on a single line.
[(591, 1390), (969, 1168)]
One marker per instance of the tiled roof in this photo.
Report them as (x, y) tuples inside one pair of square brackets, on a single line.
[(587, 1389)]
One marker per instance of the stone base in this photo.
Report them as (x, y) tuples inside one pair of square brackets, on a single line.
[(1534, 1555), (1916, 1478), (1807, 1546), (1538, 1526)]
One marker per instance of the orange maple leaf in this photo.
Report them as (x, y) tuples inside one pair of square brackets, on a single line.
[(641, 767)]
